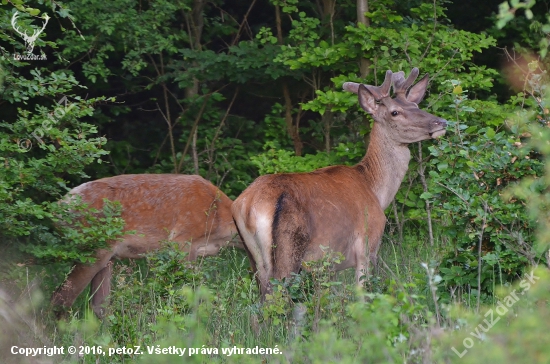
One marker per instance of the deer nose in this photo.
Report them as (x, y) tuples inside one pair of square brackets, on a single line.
[(441, 122)]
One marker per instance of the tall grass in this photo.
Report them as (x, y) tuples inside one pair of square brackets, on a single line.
[(317, 316)]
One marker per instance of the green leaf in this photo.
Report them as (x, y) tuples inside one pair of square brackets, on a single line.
[(33, 12), (426, 195)]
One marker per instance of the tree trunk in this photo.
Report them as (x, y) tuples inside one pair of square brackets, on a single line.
[(194, 152), (327, 126), (362, 8), (195, 25), (291, 126), (197, 22)]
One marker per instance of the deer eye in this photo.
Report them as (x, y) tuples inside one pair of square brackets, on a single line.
[(394, 113)]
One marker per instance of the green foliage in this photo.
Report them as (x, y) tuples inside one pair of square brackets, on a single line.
[(493, 335), (312, 286), (278, 161), (172, 270), (79, 240), (395, 43), (312, 316), (43, 143), (507, 13), (165, 296), (470, 170), (200, 90), (533, 187)]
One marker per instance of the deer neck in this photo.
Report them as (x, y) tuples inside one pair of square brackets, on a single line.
[(385, 165)]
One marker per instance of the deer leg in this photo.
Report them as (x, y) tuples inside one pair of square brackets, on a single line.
[(254, 269), (257, 232), (373, 245), (263, 270), (78, 279), (368, 256), (362, 263), (206, 249), (100, 289)]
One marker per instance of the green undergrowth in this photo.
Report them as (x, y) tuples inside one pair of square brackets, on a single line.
[(211, 308)]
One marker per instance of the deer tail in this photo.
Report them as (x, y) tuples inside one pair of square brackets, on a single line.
[(290, 236)]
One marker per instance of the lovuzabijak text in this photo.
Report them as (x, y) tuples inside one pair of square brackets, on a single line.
[(501, 308)]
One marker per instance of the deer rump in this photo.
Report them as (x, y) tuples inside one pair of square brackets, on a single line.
[(182, 208), (325, 207)]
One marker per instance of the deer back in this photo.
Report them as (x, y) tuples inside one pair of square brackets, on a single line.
[(182, 208)]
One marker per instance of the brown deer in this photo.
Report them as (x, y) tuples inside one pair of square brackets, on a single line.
[(186, 209), (284, 218)]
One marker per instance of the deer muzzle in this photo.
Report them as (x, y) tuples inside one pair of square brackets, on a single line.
[(439, 126)]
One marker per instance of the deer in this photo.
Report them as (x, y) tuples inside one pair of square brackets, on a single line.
[(186, 209), (29, 39), (284, 219)]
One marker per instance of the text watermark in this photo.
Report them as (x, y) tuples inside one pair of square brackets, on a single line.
[(501, 309), (139, 350), (62, 108)]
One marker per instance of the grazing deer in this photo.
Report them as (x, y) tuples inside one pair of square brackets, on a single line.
[(284, 218), (186, 209)]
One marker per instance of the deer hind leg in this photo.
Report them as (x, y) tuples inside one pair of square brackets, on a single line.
[(262, 255), (78, 279), (100, 289), (362, 261), (256, 233)]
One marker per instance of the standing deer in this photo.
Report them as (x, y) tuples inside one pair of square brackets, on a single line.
[(284, 218), (186, 209)]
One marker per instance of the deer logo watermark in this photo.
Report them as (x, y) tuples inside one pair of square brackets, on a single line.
[(29, 39)]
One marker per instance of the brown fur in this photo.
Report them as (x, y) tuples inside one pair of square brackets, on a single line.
[(186, 209), (284, 218)]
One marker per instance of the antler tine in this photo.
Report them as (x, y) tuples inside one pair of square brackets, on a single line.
[(379, 92), (412, 77), (46, 17), (14, 24), (398, 80), (351, 87), (385, 87), (400, 84)]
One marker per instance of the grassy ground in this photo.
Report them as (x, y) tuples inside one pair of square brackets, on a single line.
[(211, 308)]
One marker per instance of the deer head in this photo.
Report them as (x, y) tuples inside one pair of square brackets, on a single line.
[(399, 118), (29, 39)]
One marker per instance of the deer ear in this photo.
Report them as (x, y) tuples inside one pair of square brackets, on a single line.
[(416, 93), (367, 100)]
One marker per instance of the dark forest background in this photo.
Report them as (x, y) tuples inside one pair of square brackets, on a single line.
[(231, 90)]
